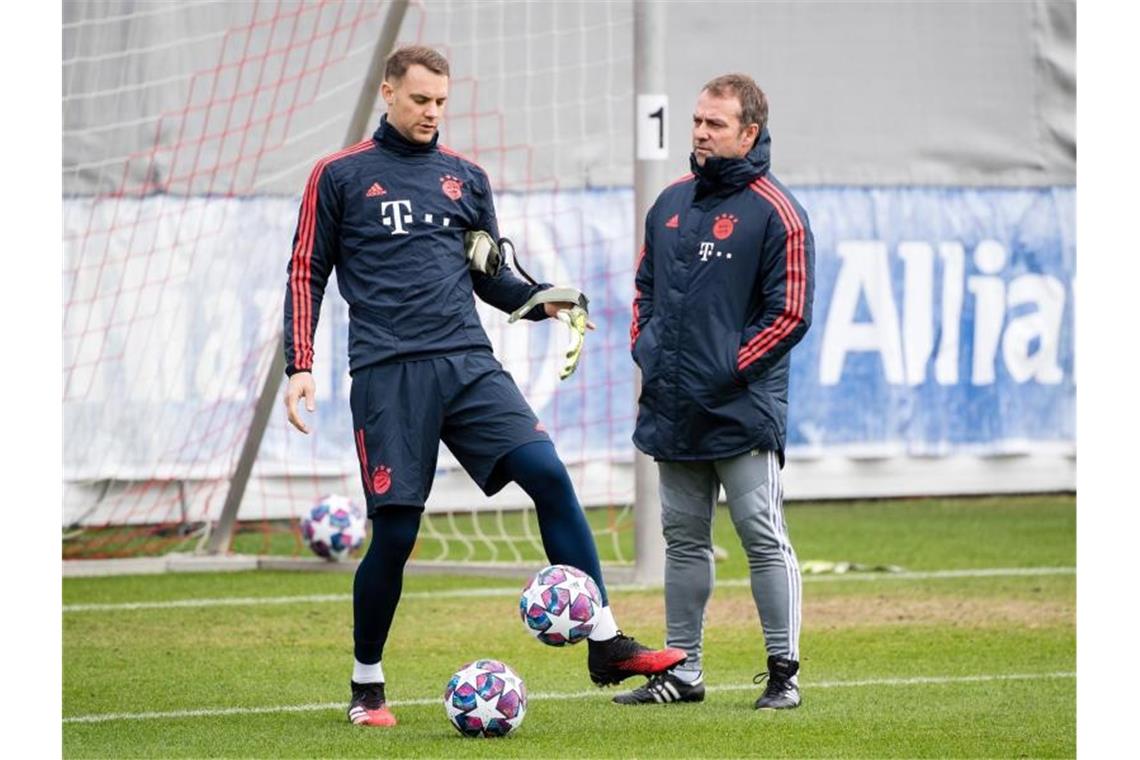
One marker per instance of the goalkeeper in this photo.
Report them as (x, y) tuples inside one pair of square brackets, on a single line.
[(398, 216)]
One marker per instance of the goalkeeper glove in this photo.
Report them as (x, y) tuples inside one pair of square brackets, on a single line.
[(482, 252), (575, 319)]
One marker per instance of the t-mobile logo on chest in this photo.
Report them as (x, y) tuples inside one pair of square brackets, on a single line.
[(708, 251), (397, 216)]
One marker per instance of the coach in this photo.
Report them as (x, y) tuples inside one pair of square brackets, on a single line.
[(723, 292)]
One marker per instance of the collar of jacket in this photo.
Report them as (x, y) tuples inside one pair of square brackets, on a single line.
[(724, 176), (390, 138)]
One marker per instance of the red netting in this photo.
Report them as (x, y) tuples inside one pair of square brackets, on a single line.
[(189, 130)]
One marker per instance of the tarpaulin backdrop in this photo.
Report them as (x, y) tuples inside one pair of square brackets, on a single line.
[(943, 325)]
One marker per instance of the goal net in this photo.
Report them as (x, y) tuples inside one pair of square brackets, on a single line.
[(189, 131)]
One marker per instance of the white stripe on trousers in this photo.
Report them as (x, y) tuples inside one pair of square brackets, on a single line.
[(791, 566)]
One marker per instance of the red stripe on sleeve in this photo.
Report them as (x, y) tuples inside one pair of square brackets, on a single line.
[(302, 255), (300, 281), (794, 292), (456, 154), (634, 330), (793, 299), (795, 287)]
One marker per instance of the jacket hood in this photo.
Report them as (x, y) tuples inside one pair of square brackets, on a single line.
[(390, 138), (720, 175)]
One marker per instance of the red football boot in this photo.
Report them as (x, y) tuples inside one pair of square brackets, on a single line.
[(616, 659)]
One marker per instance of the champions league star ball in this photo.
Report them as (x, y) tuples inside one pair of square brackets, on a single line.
[(334, 528), (560, 605), (485, 698)]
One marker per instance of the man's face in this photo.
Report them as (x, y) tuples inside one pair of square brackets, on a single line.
[(717, 130), (415, 102)]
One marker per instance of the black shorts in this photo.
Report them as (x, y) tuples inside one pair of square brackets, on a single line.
[(402, 410)]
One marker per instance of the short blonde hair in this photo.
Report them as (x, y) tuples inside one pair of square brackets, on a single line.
[(400, 60)]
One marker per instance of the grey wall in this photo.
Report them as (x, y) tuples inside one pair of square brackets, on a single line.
[(954, 93), (881, 93)]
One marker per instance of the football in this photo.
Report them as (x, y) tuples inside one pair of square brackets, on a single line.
[(334, 528), (485, 698), (560, 605)]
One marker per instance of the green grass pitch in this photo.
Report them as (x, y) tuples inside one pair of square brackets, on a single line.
[(924, 664)]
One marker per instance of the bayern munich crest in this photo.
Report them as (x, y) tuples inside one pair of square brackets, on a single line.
[(452, 187), (382, 479), (723, 226)]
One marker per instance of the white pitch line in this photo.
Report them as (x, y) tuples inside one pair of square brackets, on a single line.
[(237, 601), (990, 572), (223, 711)]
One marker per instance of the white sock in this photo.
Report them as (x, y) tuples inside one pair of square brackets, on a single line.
[(362, 673), (606, 628)]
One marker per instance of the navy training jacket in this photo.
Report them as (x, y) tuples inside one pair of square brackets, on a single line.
[(724, 290), (390, 215)]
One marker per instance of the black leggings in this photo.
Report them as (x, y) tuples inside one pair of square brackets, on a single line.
[(566, 538), (380, 578)]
